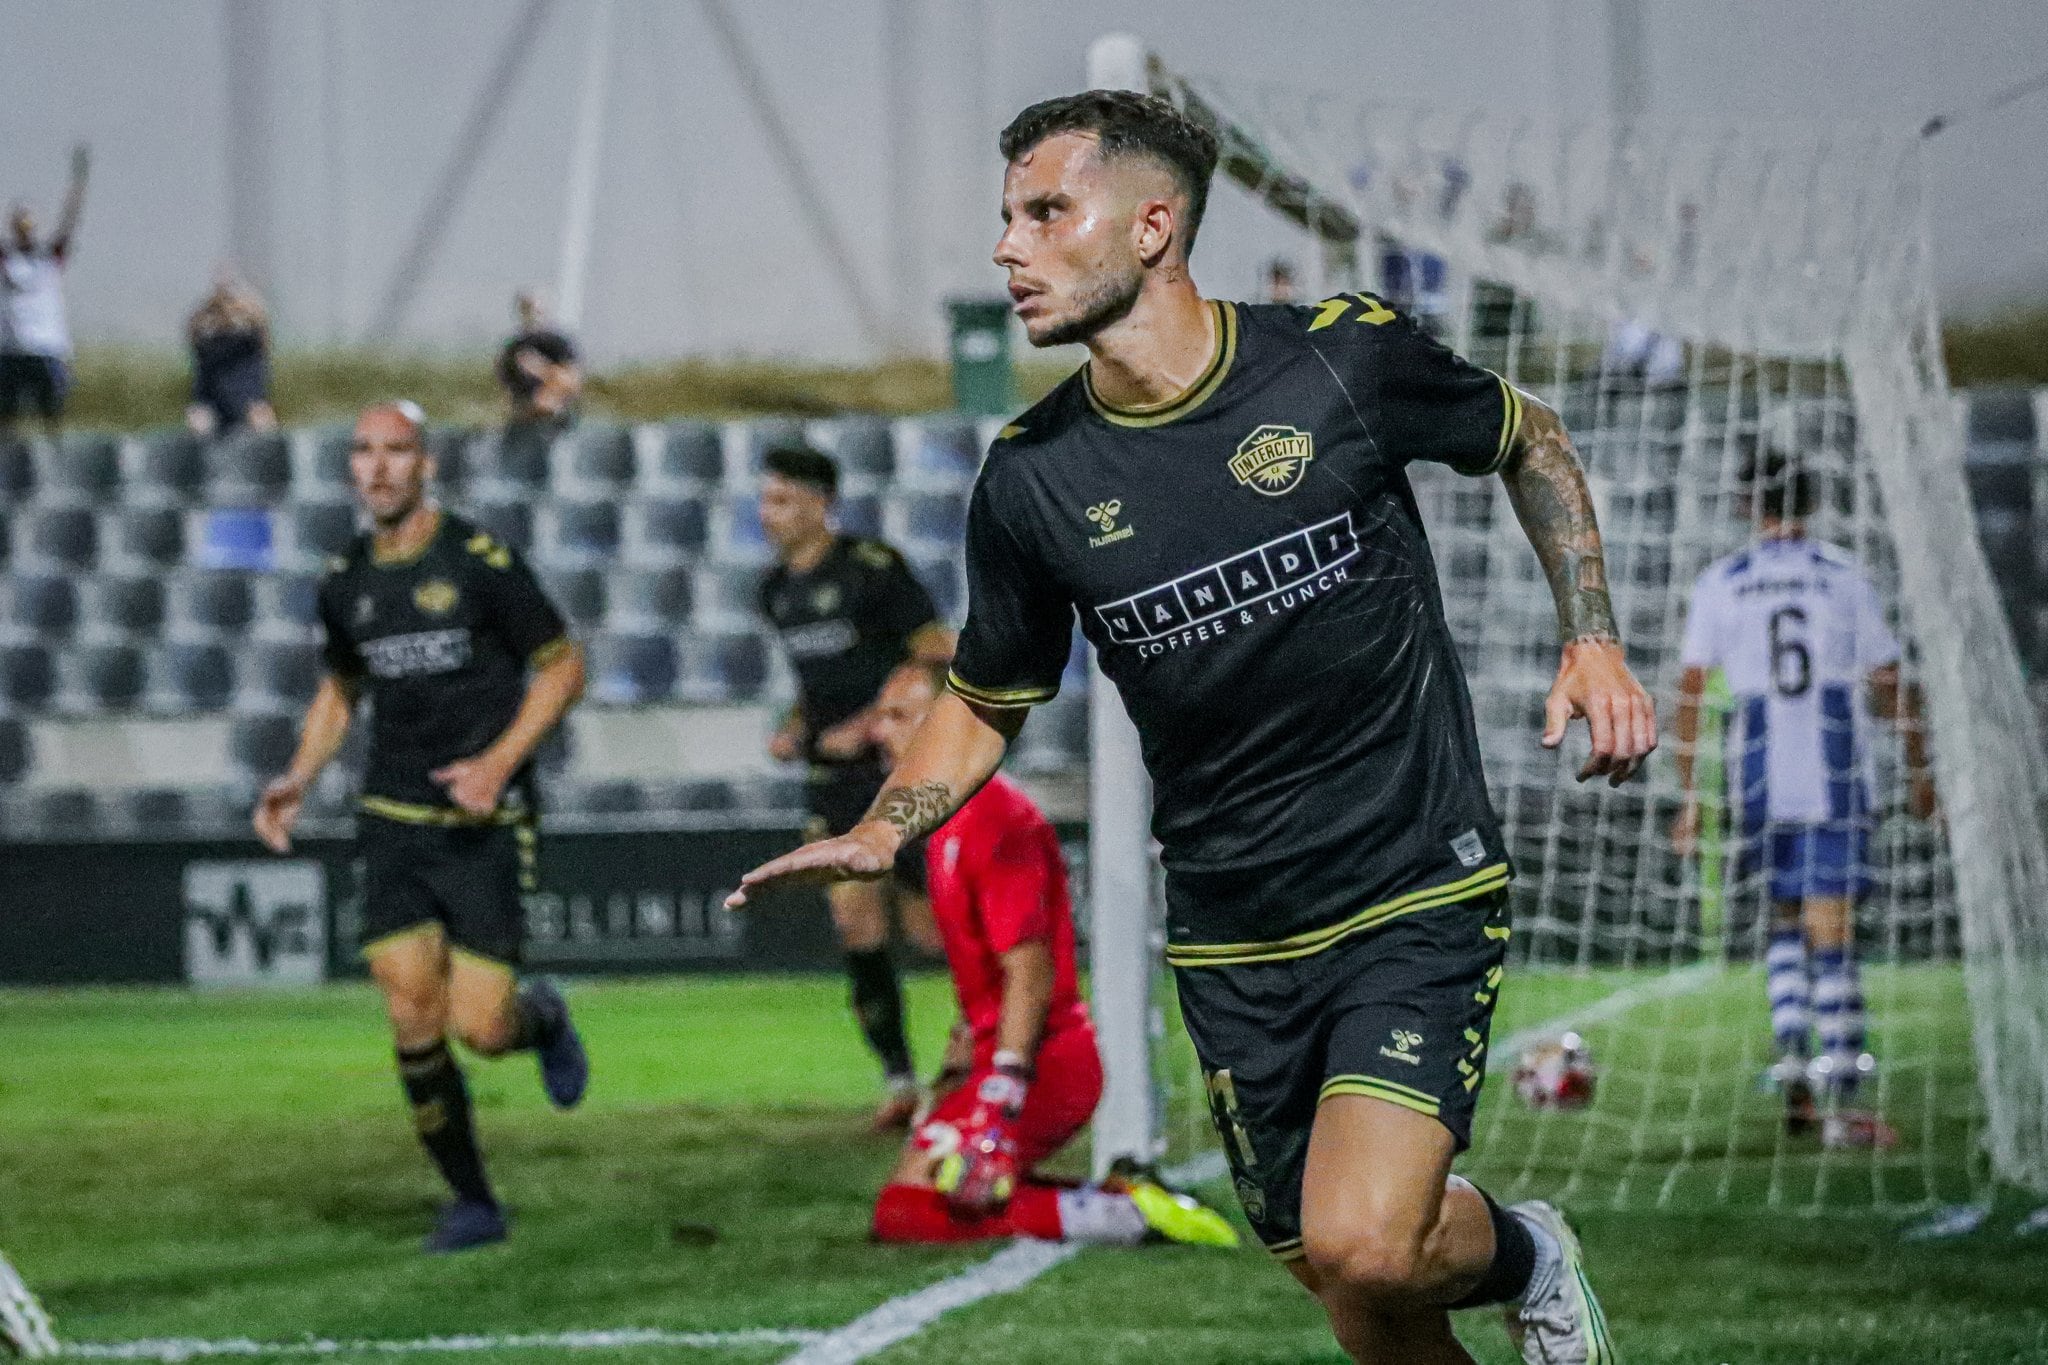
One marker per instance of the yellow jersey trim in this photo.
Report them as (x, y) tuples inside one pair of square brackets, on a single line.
[(1289, 1250), (1510, 423), (397, 936), (551, 651), (400, 561), (999, 697), (1374, 1088), (410, 813), (1316, 940), (1190, 398)]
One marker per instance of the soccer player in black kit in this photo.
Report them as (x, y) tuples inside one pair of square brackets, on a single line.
[(848, 612), (1220, 496), (467, 666)]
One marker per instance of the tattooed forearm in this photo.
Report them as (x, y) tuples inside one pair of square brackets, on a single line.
[(917, 810), (1547, 485)]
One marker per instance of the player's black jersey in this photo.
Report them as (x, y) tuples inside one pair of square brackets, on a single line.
[(845, 625), (441, 644), (1250, 562)]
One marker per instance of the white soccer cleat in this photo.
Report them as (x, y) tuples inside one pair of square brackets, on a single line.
[(24, 1327), (1564, 1326)]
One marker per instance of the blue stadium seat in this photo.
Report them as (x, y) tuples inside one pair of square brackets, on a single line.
[(144, 538), (16, 755), (17, 469), (46, 607), (737, 537), (860, 445), (234, 538), (627, 669), (123, 606), (859, 515), (579, 594), (662, 531), (510, 522), (939, 450), (27, 676), (171, 465), (187, 677), (262, 746), (580, 534), (730, 667), (84, 465), (99, 678), (63, 537), (938, 519), (648, 600), (248, 467), (211, 603), (689, 456)]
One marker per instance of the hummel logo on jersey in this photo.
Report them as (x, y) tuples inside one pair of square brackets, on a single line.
[(1404, 1047), (1263, 581), (1104, 514), (1273, 459)]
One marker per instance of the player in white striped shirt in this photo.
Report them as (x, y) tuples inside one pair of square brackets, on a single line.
[(1799, 633)]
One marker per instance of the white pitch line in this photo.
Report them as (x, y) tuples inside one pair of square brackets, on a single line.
[(1501, 1055), (175, 1349), (1009, 1270)]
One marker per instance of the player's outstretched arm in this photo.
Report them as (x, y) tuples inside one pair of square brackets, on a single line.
[(1547, 485), (475, 783), (953, 753), (1685, 827), (1903, 706), (326, 725), (74, 200)]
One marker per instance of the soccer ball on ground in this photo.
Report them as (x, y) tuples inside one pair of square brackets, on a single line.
[(1556, 1075)]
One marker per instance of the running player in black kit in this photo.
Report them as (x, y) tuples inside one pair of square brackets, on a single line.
[(1220, 495), (467, 666), (848, 612)]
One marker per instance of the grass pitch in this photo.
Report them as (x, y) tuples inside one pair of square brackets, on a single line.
[(239, 1166)]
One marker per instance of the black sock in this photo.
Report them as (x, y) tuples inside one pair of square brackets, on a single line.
[(441, 1115), (878, 1005), (534, 1023), (1514, 1260)]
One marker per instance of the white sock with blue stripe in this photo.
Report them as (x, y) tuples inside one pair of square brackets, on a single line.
[(1786, 981), (1838, 1011)]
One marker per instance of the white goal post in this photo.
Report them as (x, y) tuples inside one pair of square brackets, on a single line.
[(1686, 297)]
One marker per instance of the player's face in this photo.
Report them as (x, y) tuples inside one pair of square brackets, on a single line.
[(905, 701), (389, 465), (1070, 239), (791, 512)]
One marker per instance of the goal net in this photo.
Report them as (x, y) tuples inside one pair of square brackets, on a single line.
[(1687, 299)]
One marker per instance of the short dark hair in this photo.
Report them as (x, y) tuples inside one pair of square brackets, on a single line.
[(1782, 489), (804, 465), (1126, 124)]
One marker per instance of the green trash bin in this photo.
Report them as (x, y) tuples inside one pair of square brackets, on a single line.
[(984, 381)]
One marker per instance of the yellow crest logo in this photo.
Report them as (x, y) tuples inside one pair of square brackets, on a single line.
[(1273, 459), (436, 597)]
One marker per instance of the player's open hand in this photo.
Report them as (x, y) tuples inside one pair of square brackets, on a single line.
[(1593, 681), (863, 854), (474, 783), (277, 811)]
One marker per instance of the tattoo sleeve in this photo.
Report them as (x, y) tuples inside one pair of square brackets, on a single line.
[(1547, 485), (916, 811)]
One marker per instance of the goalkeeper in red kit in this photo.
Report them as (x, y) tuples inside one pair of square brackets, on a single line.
[(1023, 1076)]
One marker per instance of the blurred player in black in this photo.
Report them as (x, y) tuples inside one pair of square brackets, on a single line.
[(1221, 495), (467, 666), (848, 611)]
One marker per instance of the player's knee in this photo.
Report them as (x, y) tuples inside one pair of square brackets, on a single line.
[(418, 1013), (1366, 1264), (486, 1033)]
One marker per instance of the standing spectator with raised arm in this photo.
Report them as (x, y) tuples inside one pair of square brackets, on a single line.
[(230, 336), (35, 336), (538, 368)]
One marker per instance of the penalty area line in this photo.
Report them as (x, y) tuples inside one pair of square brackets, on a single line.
[(174, 1349)]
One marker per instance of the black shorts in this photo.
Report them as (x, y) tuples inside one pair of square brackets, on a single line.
[(468, 879), (1400, 1013), (837, 795), (32, 383)]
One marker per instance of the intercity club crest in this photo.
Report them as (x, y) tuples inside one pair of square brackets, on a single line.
[(436, 597), (1273, 459)]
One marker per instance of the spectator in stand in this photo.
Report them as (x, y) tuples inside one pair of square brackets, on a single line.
[(538, 369), (35, 338), (1279, 280), (230, 336)]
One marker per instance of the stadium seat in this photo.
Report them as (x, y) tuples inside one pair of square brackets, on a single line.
[(27, 676), (17, 469), (648, 601), (595, 459), (62, 537), (248, 467), (83, 465), (937, 450), (736, 536), (746, 442), (262, 746), (99, 678), (118, 606), (1999, 415), (274, 676), (45, 607), (688, 458), (691, 795), (771, 793), (66, 813), (938, 519), (611, 797), (321, 530), (16, 757), (554, 753), (143, 538), (234, 538), (861, 446), (510, 522), (288, 604), (211, 603), (454, 452), (579, 594), (191, 677), (859, 515), (726, 598), (150, 811), (627, 669), (170, 466), (507, 464), (320, 462), (578, 534), (663, 531), (726, 668), (940, 574)]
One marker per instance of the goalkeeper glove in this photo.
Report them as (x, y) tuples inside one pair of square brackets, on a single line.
[(981, 1175)]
